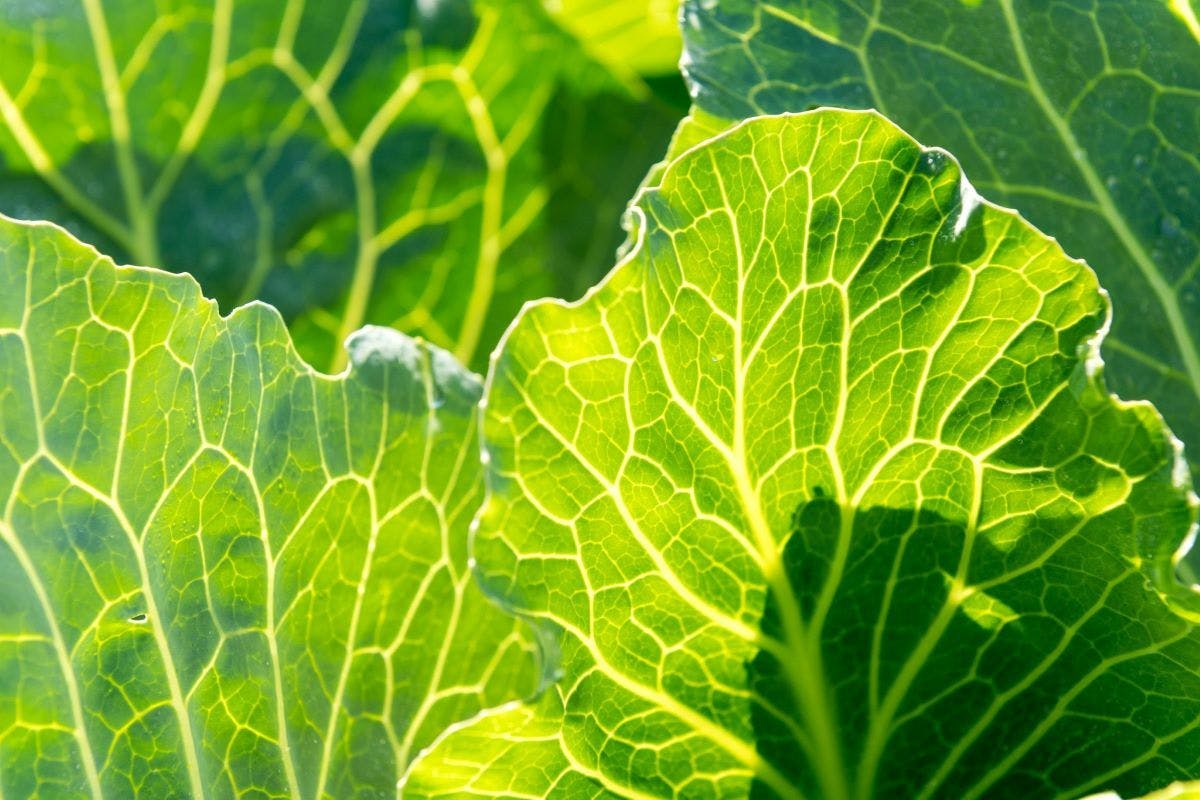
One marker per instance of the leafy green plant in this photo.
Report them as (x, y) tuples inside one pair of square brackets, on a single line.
[(821, 493), (428, 166), (225, 574), (633, 37), (1083, 116)]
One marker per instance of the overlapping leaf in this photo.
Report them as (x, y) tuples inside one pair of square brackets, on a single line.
[(1085, 116), (222, 574), (429, 166), (823, 495)]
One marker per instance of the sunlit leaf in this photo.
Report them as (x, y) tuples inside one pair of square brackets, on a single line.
[(823, 496), (222, 574), (1084, 116), (424, 165), (633, 37)]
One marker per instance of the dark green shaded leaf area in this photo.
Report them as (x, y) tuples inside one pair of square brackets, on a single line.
[(221, 573), (823, 495), (1084, 115), (428, 166)]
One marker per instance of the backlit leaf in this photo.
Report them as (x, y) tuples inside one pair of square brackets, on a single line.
[(823, 496), (1084, 116), (223, 574), (634, 37), (424, 165)]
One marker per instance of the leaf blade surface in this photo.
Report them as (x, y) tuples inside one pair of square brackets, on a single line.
[(424, 166), (226, 574), (823, 494), (1080, 116)]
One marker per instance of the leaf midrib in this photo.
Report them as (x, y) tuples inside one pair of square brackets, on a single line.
[(139, 234), (806, 672), (143, 240)]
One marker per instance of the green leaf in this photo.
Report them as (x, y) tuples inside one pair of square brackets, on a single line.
[(1176, 791), (1084, 116), (424, 165), (824, 497), (633, 37), (223, 574)]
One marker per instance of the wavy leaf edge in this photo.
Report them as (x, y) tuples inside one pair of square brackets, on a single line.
[(1179, 593)]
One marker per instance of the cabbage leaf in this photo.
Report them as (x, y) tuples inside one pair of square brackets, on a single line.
[(221, 573), (823, 496), (427, 166), (1084, 116)]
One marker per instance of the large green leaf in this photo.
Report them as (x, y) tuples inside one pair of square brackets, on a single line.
[(824, 497), (222, 574), (1084, 115), (426, 165)]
